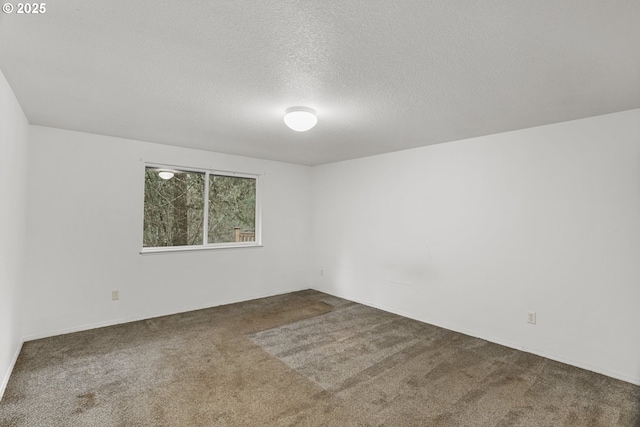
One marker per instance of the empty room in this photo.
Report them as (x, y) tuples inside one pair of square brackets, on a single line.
[(320, 213)]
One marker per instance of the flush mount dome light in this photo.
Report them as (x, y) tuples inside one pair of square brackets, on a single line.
[(165, 174), (300, 119)]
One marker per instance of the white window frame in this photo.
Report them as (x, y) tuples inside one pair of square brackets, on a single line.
[(205, 244)]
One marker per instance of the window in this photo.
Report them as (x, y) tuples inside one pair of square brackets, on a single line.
[(190, 209)]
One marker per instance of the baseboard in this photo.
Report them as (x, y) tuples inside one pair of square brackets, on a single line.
[(5, 380), (586, 366), (495, 340), (128, 319)]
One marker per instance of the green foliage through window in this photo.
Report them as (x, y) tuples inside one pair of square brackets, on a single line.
[(232, 209), (174, 209)]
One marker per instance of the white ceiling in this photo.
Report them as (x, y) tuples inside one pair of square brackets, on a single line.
[(382, 75)]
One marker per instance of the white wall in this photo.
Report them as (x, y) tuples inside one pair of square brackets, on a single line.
[(472, 234), (13, 231), (85, 234)]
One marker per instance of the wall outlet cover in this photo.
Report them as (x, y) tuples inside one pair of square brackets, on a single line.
[(531, 317)]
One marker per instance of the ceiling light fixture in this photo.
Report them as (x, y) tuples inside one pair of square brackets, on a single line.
[(300, 119), (165, 174)]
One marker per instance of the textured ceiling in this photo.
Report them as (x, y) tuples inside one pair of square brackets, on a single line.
[(382, 75)]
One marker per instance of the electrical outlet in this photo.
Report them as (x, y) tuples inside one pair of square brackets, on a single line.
[(531, 317), (115, 295)]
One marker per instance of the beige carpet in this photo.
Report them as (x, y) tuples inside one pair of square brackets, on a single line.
[(304, 358)]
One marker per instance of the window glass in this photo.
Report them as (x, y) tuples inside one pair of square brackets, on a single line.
[(190, 208), (232, 209), (173, 208)]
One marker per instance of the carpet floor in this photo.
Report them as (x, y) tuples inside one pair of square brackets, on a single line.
[(304, 358)]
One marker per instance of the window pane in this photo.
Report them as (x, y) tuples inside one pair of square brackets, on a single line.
[(173, 209), (232, 209)]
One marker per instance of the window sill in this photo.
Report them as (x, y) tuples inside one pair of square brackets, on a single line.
[(166, 249)]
